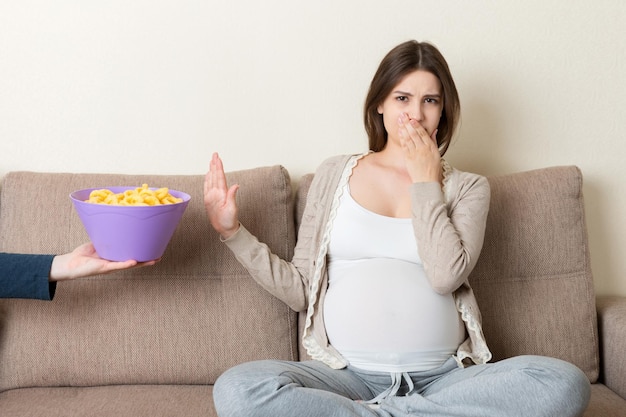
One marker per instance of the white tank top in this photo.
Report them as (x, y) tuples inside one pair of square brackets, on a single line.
[(380, 312)]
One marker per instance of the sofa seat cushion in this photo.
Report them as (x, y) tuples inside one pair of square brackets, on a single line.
[(176, 400), (605, 403), (110, 401)]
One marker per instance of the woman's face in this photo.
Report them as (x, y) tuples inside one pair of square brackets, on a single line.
[(417, 95)]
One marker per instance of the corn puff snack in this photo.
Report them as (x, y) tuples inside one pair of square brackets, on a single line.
[(141, 196)]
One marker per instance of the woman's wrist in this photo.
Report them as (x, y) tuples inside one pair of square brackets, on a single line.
[(227, 234)]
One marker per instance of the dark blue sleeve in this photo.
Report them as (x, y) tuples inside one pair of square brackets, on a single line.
[(26, 276)]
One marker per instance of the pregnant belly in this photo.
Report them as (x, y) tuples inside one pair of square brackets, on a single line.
[(387, 305)]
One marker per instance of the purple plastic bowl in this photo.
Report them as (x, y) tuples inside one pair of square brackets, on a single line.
[(119, 233)]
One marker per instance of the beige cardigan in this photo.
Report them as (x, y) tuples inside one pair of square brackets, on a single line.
[(449, 227)]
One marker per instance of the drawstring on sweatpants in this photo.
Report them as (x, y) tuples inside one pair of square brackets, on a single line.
[(396, 381)]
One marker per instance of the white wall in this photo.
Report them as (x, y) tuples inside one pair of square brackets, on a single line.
[(139, 86)]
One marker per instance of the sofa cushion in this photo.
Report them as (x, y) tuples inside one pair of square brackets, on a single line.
[(110, 401), (605, 403), (533, 279), (182, 321)]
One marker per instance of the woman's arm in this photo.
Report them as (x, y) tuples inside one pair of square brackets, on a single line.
[(277, 276), (450, 239)]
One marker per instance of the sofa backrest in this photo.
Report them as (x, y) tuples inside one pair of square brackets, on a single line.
[(182, 321), (533, 279)]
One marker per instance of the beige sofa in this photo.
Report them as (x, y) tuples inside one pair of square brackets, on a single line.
[(152, 341)]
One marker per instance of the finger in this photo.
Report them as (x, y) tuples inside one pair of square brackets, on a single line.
[(232, 192), (116, 266), (407, 142), (411, 127), (214, 162), (148, 263), (434, 135), (422, 134), (403, 132), (207, 181), (219, 178), (208, 178)]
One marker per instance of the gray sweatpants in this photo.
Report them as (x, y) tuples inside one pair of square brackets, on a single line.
[(529, 386)]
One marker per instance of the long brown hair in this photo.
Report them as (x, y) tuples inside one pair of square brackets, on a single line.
[(400, 61)]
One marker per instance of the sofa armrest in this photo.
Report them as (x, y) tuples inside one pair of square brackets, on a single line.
[(612, 329)]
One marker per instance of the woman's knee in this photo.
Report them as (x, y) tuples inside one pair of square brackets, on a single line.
[(566, 385), (243, 389), (231, 391), (227, 393), (576, 389)]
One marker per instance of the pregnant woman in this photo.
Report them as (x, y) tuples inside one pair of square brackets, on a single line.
[(387, 242)]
